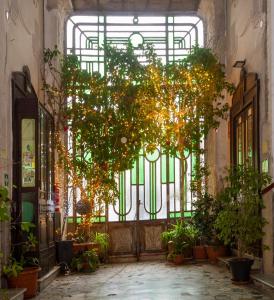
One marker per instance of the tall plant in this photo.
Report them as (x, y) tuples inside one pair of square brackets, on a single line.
[(110, 117), (240, 222)]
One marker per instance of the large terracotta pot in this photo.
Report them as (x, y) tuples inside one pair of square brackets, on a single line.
[(199, 252), (82, 247), (26, 279), (178, 259), (213, 252)]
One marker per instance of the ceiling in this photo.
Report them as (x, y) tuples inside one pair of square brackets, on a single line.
[(140, 6)]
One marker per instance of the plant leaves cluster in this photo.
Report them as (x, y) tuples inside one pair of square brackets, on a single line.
[(182, 234), (111, 117), (240, 222)]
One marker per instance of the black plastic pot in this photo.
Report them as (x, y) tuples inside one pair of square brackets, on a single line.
[(64, 252), (240, 269)]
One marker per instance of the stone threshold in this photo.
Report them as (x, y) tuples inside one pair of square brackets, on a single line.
[(128, 258), (47, 279), (12, 294), (264, 279)]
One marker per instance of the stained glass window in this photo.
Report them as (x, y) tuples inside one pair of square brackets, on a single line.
[(152, 188)]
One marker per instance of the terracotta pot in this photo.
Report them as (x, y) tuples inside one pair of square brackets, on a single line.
[(213, 252), (199, 252), (178, 259), (26, 279), (82, 247)]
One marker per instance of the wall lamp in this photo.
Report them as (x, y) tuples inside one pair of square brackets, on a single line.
[(239, 64)]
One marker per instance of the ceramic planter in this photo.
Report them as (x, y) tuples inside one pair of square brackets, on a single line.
[(199, 252), (26, 279), (213, 252), (240, 269), (82, 247), (64, 251), (178, 259)]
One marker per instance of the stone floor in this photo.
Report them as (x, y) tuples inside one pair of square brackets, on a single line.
[(152, 280)]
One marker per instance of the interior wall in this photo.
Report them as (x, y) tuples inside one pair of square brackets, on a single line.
[(237, 30), (24, 34), (213, 13)]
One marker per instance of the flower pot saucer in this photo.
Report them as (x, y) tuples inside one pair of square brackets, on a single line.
[(236, 282)]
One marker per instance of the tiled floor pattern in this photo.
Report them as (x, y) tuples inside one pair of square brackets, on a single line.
[(152, 280)]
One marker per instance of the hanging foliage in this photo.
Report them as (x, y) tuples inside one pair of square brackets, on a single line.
[(110, 117)]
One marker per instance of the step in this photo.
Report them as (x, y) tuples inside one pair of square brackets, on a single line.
[(133, 258), (47, 279), (125, 258), (152, 256), (12, 294), (265, 280)]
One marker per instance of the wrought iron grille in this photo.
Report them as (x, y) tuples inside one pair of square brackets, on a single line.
[(152, 189)]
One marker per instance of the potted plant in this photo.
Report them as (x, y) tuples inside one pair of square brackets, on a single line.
[(181, 235), (82, 240), (102, 240), (203, 221), (240, 223), (22, 271), (207, 244), (86, 261)]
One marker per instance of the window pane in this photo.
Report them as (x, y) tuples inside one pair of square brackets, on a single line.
[(28, 152)]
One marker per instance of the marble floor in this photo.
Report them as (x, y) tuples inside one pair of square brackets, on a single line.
[(152, 280)]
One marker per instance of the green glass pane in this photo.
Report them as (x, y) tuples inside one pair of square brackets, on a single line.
[(134, 174), (177, 214), (171, 169), (141, 170), (153, 156), (99, 219), (163, 169), (70, 220), (185, 187), (187, 214), (194, 161), (153, 190), (122, 196), (27, 214)]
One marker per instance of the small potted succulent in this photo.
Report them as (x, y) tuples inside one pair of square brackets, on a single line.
[(240, 222)]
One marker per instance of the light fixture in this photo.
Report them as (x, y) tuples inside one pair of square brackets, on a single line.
[(7, 14), (239, 64)]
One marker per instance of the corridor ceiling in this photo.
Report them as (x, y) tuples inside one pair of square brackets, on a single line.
[(138, 6)]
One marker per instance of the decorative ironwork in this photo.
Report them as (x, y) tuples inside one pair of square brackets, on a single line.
[(151, 189)]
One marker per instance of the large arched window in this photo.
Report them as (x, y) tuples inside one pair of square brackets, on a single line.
[(152, 189)]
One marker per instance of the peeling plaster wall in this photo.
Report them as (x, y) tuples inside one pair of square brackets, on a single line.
[(23, 36), (246, 39), (236, 30), (213, 14)]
